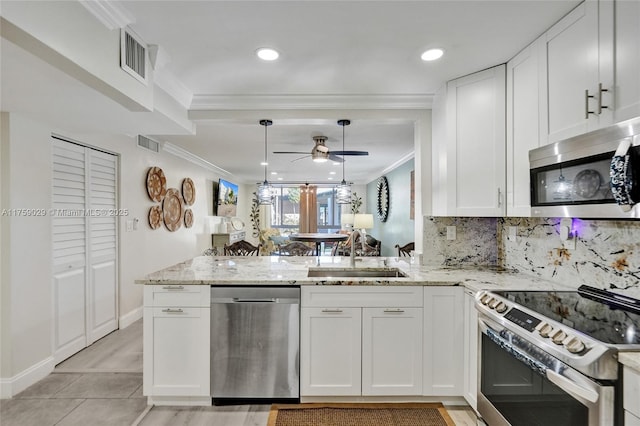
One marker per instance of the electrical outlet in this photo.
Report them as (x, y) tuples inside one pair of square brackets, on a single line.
[(512, 233), (129, 225), (451, 233)]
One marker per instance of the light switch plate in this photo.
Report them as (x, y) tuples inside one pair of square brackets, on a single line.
[(512, 233), (129, 225), (451, 233)]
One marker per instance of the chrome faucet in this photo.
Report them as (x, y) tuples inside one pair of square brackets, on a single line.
[(353, 245)]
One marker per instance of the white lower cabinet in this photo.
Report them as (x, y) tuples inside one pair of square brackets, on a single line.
[(392, 351), (361, 341), (330, 351), (631, 398), (176, 343), (443, 341)]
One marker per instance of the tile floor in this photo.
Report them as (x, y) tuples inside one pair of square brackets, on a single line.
[(102, 386)]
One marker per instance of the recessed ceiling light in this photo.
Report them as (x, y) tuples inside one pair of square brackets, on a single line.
[(264, 163), (267, 54), (332, 173), (432, 54), (274, 173), (330, 178), (279, 178)]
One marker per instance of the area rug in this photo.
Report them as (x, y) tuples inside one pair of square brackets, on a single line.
[(359, 414)]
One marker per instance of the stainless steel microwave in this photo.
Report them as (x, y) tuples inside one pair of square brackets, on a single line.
[(571, 178)]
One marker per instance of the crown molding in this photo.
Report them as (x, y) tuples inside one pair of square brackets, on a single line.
[(186, 155), (393, 166), (256, 102), (112, 14)]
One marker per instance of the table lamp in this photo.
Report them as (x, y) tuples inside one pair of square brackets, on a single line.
[(363, 221)]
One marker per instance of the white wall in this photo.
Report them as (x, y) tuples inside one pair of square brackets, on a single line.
[(27, 263)]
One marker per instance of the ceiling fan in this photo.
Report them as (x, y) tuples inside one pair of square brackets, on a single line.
[(321, 153)]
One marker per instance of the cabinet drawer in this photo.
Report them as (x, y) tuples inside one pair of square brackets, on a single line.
[(361, 296), (631, 391), (177, 295)]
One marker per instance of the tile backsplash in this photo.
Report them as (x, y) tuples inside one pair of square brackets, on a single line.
[(606, 253)]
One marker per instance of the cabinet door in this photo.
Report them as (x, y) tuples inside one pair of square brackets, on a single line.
[(476, 144), (443, 346), (571, 66), (392, 351), (330, 351), (470, 350), (176, 351), (522, 126), (627, 30)]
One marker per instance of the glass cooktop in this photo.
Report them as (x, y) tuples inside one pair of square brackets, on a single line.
[(596, 313)]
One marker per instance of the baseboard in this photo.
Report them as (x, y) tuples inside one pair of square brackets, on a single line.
[(130, 317), (10, 387)]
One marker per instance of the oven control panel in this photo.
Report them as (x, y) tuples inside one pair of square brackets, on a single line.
[(559, 335)]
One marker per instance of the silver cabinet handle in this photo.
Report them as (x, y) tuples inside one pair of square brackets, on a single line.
[(173, 287), (332, 311), (173, 311), (394, 311), (586, 104), (600, 91), (499, 197)]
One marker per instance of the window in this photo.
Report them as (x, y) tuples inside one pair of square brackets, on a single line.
[(285, 211)]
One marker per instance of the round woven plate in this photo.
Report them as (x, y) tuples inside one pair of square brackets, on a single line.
[(188, 218), (188, 191), (172, 209), (156, 184), (155, 217)]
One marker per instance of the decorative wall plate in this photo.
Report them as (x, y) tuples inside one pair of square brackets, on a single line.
[(188, 218), (155, 217), (188, 191), (156, 184), (172, 209), (382, 204), (237, 223)]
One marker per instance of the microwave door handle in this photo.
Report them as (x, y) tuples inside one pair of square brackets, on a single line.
[(572, 388)]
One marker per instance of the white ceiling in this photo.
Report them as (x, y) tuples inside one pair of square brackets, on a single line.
[(329, 49)]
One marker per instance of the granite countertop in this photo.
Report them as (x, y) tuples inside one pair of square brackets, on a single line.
[(292, 270)]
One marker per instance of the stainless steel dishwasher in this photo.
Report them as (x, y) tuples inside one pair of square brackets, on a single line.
[(255, 340)]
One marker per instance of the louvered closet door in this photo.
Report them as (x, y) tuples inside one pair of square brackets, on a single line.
[(84, 246), (69, 249), (102, 291)]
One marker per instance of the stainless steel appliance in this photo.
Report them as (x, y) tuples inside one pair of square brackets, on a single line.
[(571, 178), (255, 335), (549, 358)]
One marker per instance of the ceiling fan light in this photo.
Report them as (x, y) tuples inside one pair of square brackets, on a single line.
[(343, 193)]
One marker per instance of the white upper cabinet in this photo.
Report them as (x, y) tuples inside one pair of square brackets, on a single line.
[(627, 60), (577, 74), (523, 118), (475, 148)]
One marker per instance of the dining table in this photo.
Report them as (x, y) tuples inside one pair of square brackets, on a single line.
[(318, 238)]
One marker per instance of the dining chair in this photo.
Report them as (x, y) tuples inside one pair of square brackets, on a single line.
[(406, 249), (296, 248), (241, 248)]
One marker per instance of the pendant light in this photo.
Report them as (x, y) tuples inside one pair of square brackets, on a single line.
[(265, 193), (343, 191)]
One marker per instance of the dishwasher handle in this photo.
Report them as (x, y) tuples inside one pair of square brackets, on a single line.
[(256, 300)]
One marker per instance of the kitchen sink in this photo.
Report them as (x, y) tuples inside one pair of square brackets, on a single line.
[(356, 273)]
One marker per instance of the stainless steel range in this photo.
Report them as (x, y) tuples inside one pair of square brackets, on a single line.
[(550, 358)]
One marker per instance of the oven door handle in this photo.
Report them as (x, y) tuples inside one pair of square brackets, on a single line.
[(571, 387)]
